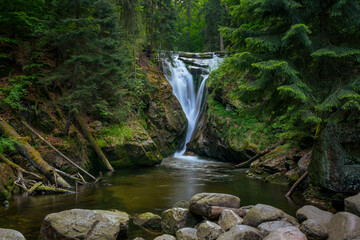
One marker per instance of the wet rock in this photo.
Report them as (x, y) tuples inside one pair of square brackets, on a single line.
[(241, 232), (292, 175), (344, 226), (192, 62), (267, 227), (148, 220), (286, 233), (278, 177), (312, 212), (352, 204), (177, 218), (187, 234), (182, 204), (303, 163), (335, 162), (201, 202), (208, 231), (313, 230), (138, 238), (84, 224), (197, 71), (9, 234), (165, 237), (262, 213), (290, 219), (229, 219)]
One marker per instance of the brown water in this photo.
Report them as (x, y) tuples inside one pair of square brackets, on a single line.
[(151, 189)]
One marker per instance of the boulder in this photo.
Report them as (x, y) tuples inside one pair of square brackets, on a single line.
[(9, 234), (138, 238), (262, 213), (303, 163), (229, 219), (352, 204), (267, 227), (186, 234), (200, 203), (165, 237), (182, 204), (313, 230), (312, 212), (344, 226), (84, 224), (286, 233), (290, 219), (335, 160), (177, 218), (148, 220), (241, 232), (208, 231)]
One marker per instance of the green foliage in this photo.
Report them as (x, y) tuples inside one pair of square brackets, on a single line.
[(6, 144), (14, 94), (297, 62)]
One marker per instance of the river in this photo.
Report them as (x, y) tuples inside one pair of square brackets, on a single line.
[(151, 189)]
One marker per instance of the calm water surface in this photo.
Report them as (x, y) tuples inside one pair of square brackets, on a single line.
[(151, 189)]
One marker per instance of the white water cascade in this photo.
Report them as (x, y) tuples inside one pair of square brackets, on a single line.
[(184, 87)]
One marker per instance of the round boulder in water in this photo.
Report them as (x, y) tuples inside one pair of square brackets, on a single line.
[(241, 232), (9, 234), (149, 221), (201, 203), (186, 234), (177, 218), (165, 237), (84, 224), (286, 233)]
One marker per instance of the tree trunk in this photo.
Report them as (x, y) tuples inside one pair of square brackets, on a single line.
[(67, 124), (189, 18), (221, 43), (91, 139), (32, 155)]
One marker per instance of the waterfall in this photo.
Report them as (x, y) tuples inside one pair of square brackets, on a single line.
[(189, 94)]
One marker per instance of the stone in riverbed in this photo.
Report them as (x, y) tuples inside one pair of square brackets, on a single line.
[(84, 224), (262, 213), (182, 204), (208, 231), (352, 204), (267, 227), (312, 212), (165, 237), (201, 202), (9, 234), (186, 234), (313, 230), (229, 219), (286, 233), (344, 226), (177, 218), (241, 232), (148, 220)]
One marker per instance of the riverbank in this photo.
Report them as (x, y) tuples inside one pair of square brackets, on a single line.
[(206, 216)]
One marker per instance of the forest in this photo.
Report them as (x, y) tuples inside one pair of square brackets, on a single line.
[(103, 98)]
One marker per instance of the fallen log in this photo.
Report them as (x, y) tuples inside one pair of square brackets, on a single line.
[(292, 189), (53, 189), (53, 148), (32, 155), (17, 167), (247, 163), (215, 211), (87, 134)]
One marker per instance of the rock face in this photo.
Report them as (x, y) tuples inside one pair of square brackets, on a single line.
[(344, 226), (313, 230), (240, 232), (268, 227), (229, 219), (287, 233), (148, 220), (201, 202), (311, 212), (208, 231), (262, 213), (84, 224), (9, 234), (186, 234), (177, 218), (336, 157), (145, 141), (352, 204)]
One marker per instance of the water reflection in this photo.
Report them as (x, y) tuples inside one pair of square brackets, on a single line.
[(151, 189)]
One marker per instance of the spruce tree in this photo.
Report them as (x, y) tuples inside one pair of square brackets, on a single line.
[(298, 60)]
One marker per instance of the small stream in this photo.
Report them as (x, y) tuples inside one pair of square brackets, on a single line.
[(151, 189)]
